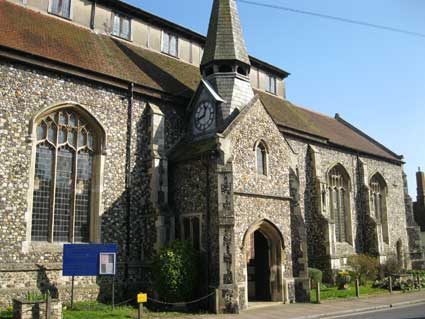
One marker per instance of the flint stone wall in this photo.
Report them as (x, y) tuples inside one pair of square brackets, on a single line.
[(24, 92), (329, 157), (261, 197)]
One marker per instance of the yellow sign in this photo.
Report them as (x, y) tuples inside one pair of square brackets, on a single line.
[(141, 298)]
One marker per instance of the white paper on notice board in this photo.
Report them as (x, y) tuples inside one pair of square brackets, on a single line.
[(107, 263)]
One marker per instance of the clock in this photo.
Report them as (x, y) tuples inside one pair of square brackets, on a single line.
[(204, 115)]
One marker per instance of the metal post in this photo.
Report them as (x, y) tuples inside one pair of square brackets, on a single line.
[(390, 286), (113, 292), (72, 292), (357, 288), (318, 292), (140, 312)]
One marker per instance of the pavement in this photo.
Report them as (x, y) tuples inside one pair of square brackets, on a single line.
[(327, 309)]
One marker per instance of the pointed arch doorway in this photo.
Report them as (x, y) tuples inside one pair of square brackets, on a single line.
[(263, 247)]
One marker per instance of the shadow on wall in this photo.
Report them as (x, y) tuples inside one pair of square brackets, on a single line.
[(131, 216), (44, 284), (298, 238), (317, 225)]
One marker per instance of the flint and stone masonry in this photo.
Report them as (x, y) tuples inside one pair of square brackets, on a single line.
[(262, 188)]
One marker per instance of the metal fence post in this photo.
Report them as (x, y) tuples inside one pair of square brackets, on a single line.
[(390, 284)]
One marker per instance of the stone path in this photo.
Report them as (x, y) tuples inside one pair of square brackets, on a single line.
[(327, 308)]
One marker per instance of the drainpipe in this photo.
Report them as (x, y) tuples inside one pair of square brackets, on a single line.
[(93, 14), (128, 177), (208, 190)]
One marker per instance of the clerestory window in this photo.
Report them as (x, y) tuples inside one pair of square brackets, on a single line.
[(121, 26), (61, 8), (169, 44), (63, 179), (338, 189), (271, 84)]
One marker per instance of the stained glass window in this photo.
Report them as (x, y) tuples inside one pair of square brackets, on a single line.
[(63, 178)]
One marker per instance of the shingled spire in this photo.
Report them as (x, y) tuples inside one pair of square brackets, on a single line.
[(225, 41), (225, 63)]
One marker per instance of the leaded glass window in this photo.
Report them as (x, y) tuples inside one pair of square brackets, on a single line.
[(63, 178), (378, 202), (338, 186)]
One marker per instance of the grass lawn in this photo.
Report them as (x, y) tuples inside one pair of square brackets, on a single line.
[(94, 310), (5, 314), (334, 293)]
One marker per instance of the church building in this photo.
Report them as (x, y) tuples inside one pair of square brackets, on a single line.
[(118, 126)]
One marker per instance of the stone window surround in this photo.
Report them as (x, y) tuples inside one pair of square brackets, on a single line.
[(266, 159), (348, 209), (71, 11), (201, 226), (380, 222), (98, 168)]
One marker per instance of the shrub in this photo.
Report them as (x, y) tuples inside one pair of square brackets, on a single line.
[(315, 275), (364, 266), (392, 266), (176, 272)]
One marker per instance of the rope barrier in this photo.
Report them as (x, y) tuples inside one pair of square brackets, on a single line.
[(182, 302), (125, 302)]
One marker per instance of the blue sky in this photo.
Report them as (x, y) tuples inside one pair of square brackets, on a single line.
[(374, 79)]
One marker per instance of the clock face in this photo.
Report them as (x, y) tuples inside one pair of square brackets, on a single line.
[(204, 115)]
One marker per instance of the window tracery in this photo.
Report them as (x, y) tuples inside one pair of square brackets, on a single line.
[(338, 188), (63, 177), (378, 202)]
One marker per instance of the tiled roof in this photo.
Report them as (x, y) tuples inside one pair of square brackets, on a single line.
[(225, 40), (289, 116), (48, 37)]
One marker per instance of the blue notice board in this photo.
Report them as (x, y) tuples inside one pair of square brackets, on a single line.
[(83, 259)]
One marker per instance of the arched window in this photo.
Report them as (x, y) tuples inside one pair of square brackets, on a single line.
[(339, 190), (63, 178), (261, 154), (378, 192)]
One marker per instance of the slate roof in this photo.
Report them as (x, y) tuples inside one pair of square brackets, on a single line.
[(44, 36), (225, 40)]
